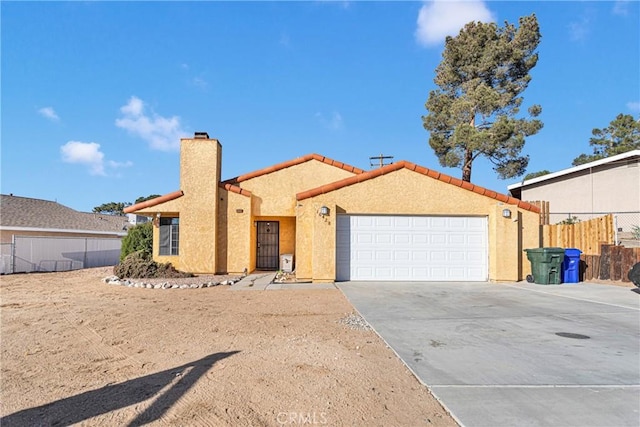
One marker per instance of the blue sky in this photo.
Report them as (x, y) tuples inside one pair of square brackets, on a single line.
[(95, 95)]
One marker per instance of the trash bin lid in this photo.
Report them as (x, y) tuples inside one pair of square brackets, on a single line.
[(572, 252), (553, 250)]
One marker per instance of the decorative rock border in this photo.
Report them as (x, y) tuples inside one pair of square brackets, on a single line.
[(115, 280)]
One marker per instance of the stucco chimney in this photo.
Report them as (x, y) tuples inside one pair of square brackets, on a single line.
[(200, 168)]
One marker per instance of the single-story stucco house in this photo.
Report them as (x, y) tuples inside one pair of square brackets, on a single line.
[(399, 222)]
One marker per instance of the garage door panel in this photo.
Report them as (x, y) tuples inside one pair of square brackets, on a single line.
[(475, 239), (384, 255), (457, 256), (412, 248), (438, 239), (457, 222), (402, 239), (476, 257), (402, 222), (476, 223), (419, 239), (457, 239), (419, 255), (363, 255), (437, 222), (383, 238)]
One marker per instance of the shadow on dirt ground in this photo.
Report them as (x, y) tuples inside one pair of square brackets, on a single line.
[(71, 410)]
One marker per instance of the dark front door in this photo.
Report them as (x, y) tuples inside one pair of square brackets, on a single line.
[(268, 248)]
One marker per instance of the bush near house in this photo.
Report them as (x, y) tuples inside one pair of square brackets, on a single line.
[(138, 238), (140, 265)]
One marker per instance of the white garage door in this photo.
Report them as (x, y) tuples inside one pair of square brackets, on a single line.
[(426, 248)]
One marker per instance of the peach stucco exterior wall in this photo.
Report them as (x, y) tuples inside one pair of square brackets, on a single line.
[(234, 233), (407, 192), (274, 194)]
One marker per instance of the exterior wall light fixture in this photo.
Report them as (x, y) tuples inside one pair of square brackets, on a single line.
[(506, 213), (324, 211)]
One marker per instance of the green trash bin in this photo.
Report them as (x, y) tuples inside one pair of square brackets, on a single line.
[(546, 265)]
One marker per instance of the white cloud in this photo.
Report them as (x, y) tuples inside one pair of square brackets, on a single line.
[(49, 113), (134, 108), (161, 133), (581, 27), (621, 7), (86, 153), (578, 30), (117, 165), (634, 106), (333, 122), (438, 19), (196, 81), (200, 83), (89, 154), (285, 40)]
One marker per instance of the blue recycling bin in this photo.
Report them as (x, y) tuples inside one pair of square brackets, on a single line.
[(571, 266)]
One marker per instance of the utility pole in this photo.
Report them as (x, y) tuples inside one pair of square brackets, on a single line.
[(380, 160)]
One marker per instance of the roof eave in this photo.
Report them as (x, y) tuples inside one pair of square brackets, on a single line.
[(596, 163), (294, 162), (403, 164), (154, 202)]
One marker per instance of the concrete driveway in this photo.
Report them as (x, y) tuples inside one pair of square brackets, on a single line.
[(515, 354)]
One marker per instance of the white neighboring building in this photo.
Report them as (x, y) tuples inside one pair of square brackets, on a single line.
[(137, 219), (610, 185)]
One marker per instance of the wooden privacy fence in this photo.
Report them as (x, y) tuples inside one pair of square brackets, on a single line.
[(588, 236), (613, 263), (544, 210)]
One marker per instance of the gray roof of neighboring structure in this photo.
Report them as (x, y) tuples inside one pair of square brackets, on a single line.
[(24, 213)]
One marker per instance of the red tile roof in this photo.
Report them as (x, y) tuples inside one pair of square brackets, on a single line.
[(154, 202), (235, 189), (422, 170), (293, 162)]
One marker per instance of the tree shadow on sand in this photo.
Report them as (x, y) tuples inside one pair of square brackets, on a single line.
[(83, 406)]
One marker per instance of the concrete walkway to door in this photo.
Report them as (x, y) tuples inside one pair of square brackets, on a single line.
[(515, 354)]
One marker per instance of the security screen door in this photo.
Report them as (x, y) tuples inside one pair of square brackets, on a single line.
[(267, 252)]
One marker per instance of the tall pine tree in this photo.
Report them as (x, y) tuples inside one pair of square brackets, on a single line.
[(622, 135), (483, 72)]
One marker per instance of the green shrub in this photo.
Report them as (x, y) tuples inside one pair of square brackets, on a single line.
[(139, 238), (569, 221)]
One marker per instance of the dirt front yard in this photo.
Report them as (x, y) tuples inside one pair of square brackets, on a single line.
[(78, 351)]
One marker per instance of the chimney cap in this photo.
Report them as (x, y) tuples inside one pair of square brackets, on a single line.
[(201, 135)]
